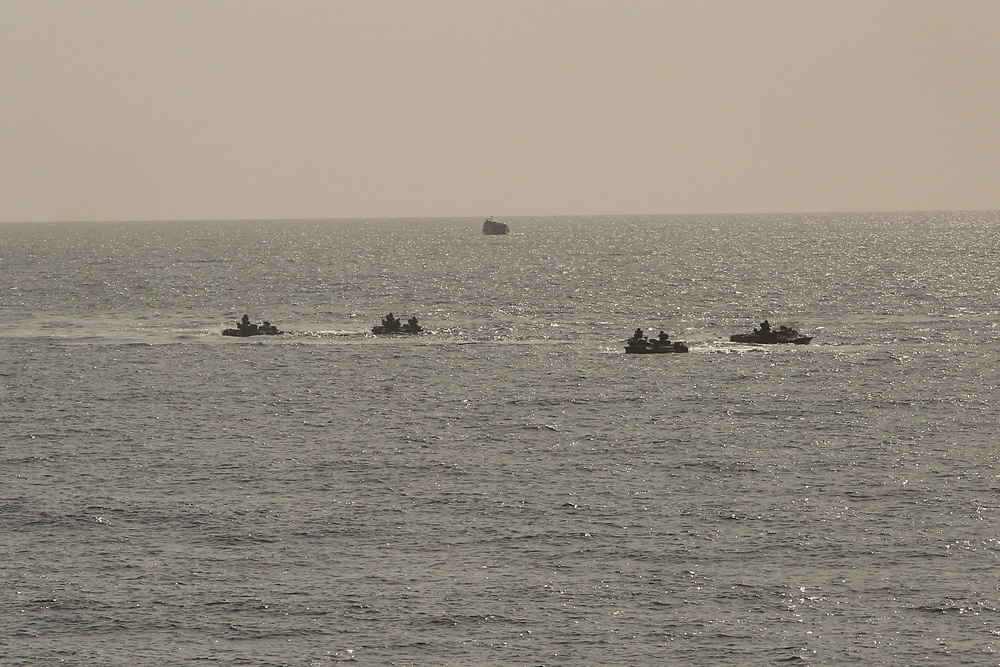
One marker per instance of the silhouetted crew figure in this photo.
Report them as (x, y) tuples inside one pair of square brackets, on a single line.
[(390, 322)]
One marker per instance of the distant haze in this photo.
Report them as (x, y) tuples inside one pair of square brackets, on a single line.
[(199, 109)]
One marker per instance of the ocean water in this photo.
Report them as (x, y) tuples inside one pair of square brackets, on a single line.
[(508, 488)]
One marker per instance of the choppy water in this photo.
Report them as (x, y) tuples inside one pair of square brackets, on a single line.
[(510, 488)]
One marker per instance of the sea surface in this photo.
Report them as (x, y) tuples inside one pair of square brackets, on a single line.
[(508, 488)]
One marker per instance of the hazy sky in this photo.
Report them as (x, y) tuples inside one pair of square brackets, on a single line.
[(196, 109)]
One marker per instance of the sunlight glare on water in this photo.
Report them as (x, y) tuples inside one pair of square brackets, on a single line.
[(508, 487)]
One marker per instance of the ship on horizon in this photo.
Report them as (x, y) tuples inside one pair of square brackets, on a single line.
[(493, 227)]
